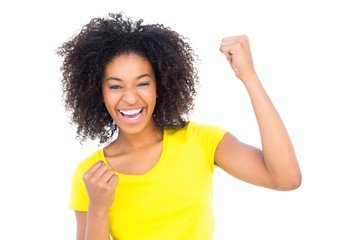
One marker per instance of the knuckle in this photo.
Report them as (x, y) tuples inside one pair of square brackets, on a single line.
[(93, 181), (85, 176)]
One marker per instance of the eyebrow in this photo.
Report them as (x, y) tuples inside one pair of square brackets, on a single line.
[(137, 78)]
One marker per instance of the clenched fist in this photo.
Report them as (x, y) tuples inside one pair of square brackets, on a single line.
[(100, 181), (238, 53)]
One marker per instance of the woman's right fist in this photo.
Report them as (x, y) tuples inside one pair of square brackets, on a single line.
[(100, 181)]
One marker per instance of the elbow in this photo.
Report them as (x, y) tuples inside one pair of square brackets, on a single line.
[(289, 178), (289, 184)]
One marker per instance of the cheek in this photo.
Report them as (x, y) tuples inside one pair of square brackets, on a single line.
[(148, 95), (108, 95), (152, 97), (109, 100), (106, 99)]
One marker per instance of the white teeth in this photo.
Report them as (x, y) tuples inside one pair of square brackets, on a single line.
[(131, 111)]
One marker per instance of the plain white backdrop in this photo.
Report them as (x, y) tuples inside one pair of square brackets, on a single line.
[(307, 55)]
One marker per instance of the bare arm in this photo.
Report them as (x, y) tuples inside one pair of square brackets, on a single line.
[(81, 224), (275, 166)]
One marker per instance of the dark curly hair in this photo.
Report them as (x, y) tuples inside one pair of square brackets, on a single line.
[(101, 40)]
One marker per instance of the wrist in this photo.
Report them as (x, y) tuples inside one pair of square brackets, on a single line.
[(249, 78), (98, 211)]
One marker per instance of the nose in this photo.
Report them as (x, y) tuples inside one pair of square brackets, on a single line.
[(130, 96)]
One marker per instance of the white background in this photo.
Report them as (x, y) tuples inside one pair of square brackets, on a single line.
[(306, 53)]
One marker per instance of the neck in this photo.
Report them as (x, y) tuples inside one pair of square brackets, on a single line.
[(147, 137)]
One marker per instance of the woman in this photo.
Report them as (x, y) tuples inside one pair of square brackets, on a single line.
[(132, 85)]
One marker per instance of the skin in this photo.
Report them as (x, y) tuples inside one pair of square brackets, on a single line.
[(275, 166)]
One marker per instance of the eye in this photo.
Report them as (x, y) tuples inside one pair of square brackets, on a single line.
[(143, 84), (115, 87)]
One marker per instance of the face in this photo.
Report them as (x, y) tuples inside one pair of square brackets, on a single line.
[(129, 91)]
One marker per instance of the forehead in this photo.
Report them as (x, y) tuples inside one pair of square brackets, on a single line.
[(128, 67), (128, 64)]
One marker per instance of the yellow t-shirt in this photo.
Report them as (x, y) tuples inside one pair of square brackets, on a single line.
[(171, 201)]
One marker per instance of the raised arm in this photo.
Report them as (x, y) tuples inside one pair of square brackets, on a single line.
[(275, 166)]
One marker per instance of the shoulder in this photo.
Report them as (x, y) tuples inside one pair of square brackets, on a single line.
[(205, 129), (86, 163), (200, 131)]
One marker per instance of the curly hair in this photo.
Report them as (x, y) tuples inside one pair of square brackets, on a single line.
[(101, 40)]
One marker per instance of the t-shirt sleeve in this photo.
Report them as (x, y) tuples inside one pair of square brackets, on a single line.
[(210, 137), (79, 199)]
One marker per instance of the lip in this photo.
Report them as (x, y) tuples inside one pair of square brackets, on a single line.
[(131, 119)]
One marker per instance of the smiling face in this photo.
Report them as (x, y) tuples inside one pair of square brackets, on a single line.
[(129, 92)]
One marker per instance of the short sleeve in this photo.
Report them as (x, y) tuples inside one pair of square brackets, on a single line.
[(79, 199), (209, 138)]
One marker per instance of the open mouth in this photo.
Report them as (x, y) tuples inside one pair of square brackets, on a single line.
[(131, 114)]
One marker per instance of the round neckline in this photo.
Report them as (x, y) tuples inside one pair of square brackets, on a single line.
[(151, 170)]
